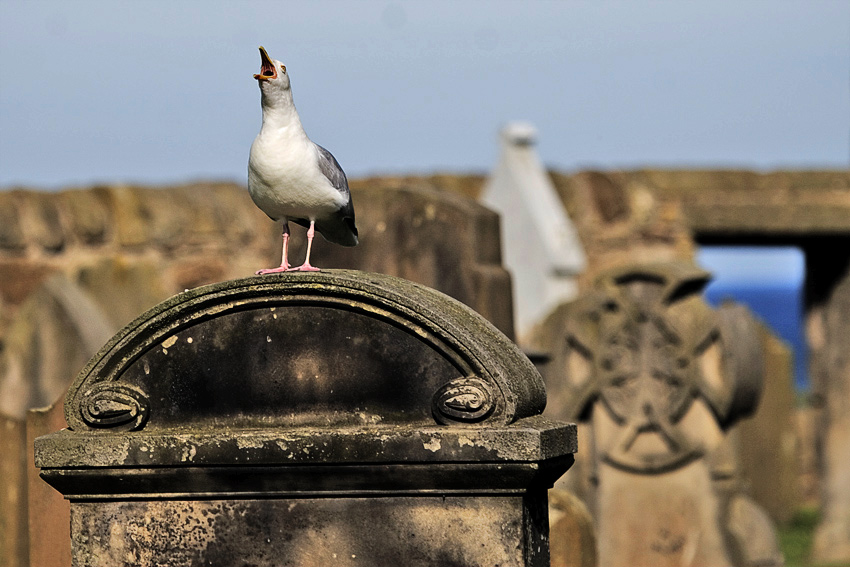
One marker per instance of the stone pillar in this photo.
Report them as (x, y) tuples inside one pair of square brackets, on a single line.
[(659, 377), (330, 418), (541, 245)]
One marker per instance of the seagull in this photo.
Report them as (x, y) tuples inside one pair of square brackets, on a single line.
[(290, 178)]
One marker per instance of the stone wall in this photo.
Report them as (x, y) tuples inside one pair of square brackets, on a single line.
[(127, 248)]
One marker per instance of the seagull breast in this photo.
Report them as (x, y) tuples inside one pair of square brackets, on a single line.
[(285, 181)]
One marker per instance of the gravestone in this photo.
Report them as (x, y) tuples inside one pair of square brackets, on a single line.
[(828, 325), (767, 446), (657, 377), (572, 541), (50, 337), (330, 418), (13, 521), (49, 513)]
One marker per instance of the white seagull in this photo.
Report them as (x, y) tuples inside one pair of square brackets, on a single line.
[(292, 179)]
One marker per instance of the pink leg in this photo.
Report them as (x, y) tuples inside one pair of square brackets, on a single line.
[(306, 267), (284, 262)]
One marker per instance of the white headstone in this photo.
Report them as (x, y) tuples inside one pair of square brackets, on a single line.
[(541, 246)]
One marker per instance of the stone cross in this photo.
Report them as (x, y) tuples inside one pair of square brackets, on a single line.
[(330, 418), (660, 377)]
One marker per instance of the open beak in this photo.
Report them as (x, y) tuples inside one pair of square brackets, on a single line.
[(267, 68)]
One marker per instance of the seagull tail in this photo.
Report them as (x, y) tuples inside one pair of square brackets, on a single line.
[(343, 233)]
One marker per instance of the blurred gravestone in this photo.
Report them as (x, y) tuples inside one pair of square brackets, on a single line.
[(308, 419), (829, 338), (659, 377), (49, 513), (438, 239), (572, 540), (767, 446), (52, 335), (54, 331)]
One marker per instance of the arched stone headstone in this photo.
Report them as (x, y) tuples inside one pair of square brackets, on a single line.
[(308, 419)]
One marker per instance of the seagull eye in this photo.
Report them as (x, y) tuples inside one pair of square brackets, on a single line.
[(283, 68)]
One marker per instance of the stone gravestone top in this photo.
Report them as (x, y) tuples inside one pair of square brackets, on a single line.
[(266, 415), (659, 377), (647, 346)]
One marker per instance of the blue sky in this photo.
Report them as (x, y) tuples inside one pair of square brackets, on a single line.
[(162, 91)]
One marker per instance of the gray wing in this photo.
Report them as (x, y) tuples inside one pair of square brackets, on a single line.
[(331, 169), (343, 231)]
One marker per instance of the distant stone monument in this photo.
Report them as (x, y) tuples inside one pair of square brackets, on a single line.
[(768, 449), (541, 245), (659, 377), (312, 419), (54, 331), (829, 338), (572, 540)]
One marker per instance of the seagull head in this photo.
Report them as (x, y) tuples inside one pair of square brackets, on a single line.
[(272, 78)]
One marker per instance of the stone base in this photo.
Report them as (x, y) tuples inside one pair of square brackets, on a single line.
[(404, 530)]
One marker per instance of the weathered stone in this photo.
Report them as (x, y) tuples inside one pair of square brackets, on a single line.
[(88, 216), (13, 494), (49, 513), (234, 216), (199, 233), (667, 210), (776, 204), (130, 217), (609, 198), (753, 540), (199, 271), (436, 239), (668, 519), (572, 541), (52, 335), (659, 377), (829, 330), (808, 479), (126, 255), (767, 445), (303, 532), (263, 416), (640, 229), (11, 236), (41, 223), (19, 278), (123, 286)]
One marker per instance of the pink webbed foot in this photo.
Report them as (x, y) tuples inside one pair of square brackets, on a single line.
[(283, 268), (305, 267)]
